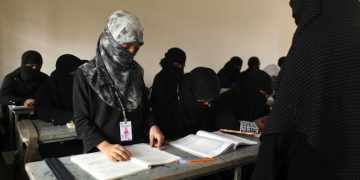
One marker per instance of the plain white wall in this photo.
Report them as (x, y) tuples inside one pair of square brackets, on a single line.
[(209, 31)]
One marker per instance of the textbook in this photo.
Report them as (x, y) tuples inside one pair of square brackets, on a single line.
[(142, 158), (210, 144)]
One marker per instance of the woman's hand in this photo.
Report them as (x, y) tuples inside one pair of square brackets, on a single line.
[(260, 122), (156, 134), (29, 102), (114, 152)]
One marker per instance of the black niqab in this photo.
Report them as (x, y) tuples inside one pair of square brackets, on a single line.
[(200, 84), (229, 74), (31, 77), (61, 81)]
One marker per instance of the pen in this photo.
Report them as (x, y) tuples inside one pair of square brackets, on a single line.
[(196, 160)]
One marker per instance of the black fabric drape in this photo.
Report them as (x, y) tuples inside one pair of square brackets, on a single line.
[(318, 89)]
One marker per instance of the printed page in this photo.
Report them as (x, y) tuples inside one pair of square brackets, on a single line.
[(201, 146), (148, 156), (100, 167), (237, 139)]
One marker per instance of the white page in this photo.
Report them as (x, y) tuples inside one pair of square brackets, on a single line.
[(201, 146), (100, 167), (149, 156), (237, 139), (142, 157), (215, 136)]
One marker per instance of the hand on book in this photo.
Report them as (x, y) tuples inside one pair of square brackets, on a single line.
[(156, 137), (114, 152)]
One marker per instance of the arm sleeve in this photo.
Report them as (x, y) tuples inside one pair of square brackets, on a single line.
[(6, 95), (147, 111), (47, 111), (85, 127), (271, 159)]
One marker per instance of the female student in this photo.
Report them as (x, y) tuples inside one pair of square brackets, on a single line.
[(110, 109), (190, 111), (20, 86), (312, 131), (54, 97), (164, 89), (229, 74)]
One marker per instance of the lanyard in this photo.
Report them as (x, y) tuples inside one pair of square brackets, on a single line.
[(121, 104)]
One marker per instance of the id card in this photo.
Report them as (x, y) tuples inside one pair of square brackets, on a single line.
[(125, 131)]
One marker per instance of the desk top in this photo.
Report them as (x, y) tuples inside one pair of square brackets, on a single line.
[(243, 155), (47, 132), (21, 109)]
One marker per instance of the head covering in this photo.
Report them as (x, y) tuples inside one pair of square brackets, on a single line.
[(174, 54), (29, 74), (125, 27), (61, 81), (254, 62), (272, 69), (113, 74), (200, 84), (281, 61), (318, 91), (229, 74)]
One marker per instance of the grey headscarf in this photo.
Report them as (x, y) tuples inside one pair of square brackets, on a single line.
[(113, 74)]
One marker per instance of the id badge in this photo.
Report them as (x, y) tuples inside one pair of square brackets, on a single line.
[(125, 131)]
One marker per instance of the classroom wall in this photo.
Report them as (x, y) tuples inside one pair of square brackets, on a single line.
[(209, 31)]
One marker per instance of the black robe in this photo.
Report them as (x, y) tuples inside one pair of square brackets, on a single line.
[(244, 102), (14, 90), (96, 121), (313, 128), (54, 97), (184, 115)]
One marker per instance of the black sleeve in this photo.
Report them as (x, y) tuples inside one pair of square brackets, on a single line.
[(85, 127), (147, 111), (289, 156), (46, 109), (271, 160), (6, 93)]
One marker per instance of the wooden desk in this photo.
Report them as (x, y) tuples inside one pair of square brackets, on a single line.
[(45, 133), (234, 159)]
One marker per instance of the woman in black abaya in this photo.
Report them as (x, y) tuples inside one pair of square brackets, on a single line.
[(312, 131), (54, 97), (190, 112)]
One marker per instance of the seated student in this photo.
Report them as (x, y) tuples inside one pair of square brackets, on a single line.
[(54, 97), (110, 108), (229, 74), (164, 89), (190, 112), (246, 102), (20, 86)]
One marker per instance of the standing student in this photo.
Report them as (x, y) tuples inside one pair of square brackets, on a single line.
[(110, 109), (54, 97), (164, 89), (190, 111), (312, 131), (229, 74)]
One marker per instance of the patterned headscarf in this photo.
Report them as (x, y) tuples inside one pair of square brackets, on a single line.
[(113, 73)]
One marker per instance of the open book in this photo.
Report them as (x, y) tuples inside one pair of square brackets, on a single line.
[(210, 144), (142, 158)]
